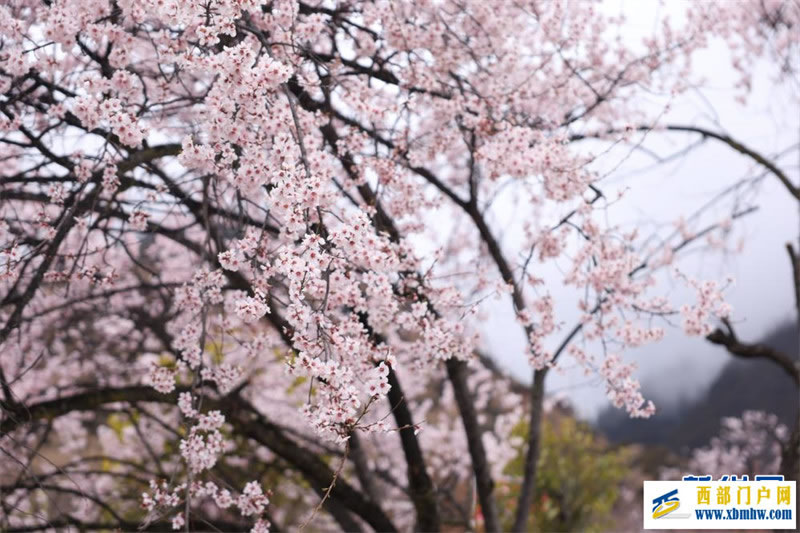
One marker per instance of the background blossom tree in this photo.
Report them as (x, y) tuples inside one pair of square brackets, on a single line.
[(245, 247), (772, 29), (748, 445)]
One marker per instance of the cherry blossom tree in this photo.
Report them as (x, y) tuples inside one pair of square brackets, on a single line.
[(749, 445), (247, 245), (770, 29)]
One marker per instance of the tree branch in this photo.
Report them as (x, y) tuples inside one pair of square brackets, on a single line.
[(244, 417), (735, 347), (744, 150), (456, 371)]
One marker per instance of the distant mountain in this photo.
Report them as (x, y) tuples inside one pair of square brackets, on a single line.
[(743, 384)]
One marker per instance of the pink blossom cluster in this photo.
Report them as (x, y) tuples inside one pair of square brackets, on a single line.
[(204, 442), (342, 405), (710, 303), (748, 444), (163, 498)]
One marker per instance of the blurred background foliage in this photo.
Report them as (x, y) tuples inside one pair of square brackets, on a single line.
[(579, 479)]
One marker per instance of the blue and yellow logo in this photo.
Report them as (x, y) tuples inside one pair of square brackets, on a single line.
[(666, 503)]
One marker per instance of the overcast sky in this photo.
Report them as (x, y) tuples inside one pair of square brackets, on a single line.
[(680, 367)]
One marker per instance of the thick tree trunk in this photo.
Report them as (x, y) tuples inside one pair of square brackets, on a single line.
[(456, 371), (420, 486), (528, 490)]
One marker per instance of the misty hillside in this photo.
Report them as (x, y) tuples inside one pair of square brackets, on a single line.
[(742, 384)]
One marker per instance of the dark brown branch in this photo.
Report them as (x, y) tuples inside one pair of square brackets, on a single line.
[(795, 262), (363, 472), (790, 456), (527, 492), (730, 341), (457, 373), (244, 418), (744, 150), (721, 137), (420, 486), (316, 471), (526, 495)]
